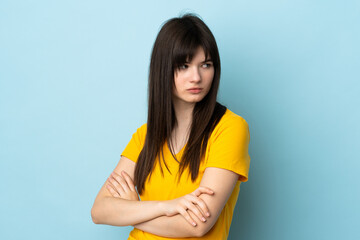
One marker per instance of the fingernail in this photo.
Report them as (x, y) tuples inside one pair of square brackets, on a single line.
[(208, 214), (194, 224), (203, 219)]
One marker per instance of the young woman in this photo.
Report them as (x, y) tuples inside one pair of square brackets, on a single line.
[(188, 160)]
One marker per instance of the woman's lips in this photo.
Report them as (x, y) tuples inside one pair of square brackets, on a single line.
[(194, 90)]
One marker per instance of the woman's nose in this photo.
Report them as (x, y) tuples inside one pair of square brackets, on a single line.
[(195, 75)]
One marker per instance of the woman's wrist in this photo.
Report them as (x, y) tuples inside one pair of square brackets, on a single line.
[(161, 207)]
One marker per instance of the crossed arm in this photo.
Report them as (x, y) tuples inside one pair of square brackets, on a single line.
[(164, 218)]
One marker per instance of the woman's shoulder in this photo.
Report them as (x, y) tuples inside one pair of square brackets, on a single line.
[(231, 125), (232, 119), (143, 127), (140, 132)]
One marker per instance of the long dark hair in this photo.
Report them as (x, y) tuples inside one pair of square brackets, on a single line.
[(177, 42)]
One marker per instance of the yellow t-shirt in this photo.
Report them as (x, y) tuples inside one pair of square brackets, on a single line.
[(227, 148)]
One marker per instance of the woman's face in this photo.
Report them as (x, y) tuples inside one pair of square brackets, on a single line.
[(193, 79)]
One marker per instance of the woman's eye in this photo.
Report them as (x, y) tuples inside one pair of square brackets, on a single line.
[(206, 65), (183, 67)]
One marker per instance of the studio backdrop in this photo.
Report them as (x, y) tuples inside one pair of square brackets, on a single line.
[(73, 89)]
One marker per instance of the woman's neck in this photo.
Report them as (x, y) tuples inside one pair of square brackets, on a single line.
[(183, 113), (180, 134)]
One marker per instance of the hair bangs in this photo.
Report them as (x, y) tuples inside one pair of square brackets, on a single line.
[(186, 48)]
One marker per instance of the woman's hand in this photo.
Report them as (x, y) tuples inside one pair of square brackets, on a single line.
[(122, 186), (190, 202)]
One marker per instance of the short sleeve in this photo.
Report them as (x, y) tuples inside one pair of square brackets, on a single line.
[(135, 145), (229, 145)]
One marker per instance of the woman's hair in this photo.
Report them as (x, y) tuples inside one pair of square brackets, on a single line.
[(176, 44)]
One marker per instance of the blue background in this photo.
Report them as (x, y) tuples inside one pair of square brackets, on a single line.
[(73, 87)]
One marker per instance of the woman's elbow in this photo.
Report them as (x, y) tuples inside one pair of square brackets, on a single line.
[(203, 228), (100, 215), (94, 215), (200, 230), (97, 213)]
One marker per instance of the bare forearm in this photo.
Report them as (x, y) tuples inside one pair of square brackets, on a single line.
[(174, 226), (121, 212)]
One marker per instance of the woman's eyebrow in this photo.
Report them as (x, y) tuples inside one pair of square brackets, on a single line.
[(207, 60)]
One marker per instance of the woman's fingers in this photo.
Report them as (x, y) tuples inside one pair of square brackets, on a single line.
[(190, 206), (121, 181), (190, 202), (123, 185), (187, 217), (117, 186), (202, 190), (112, 191), (196, 200), (129, 181), (202, 205)]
